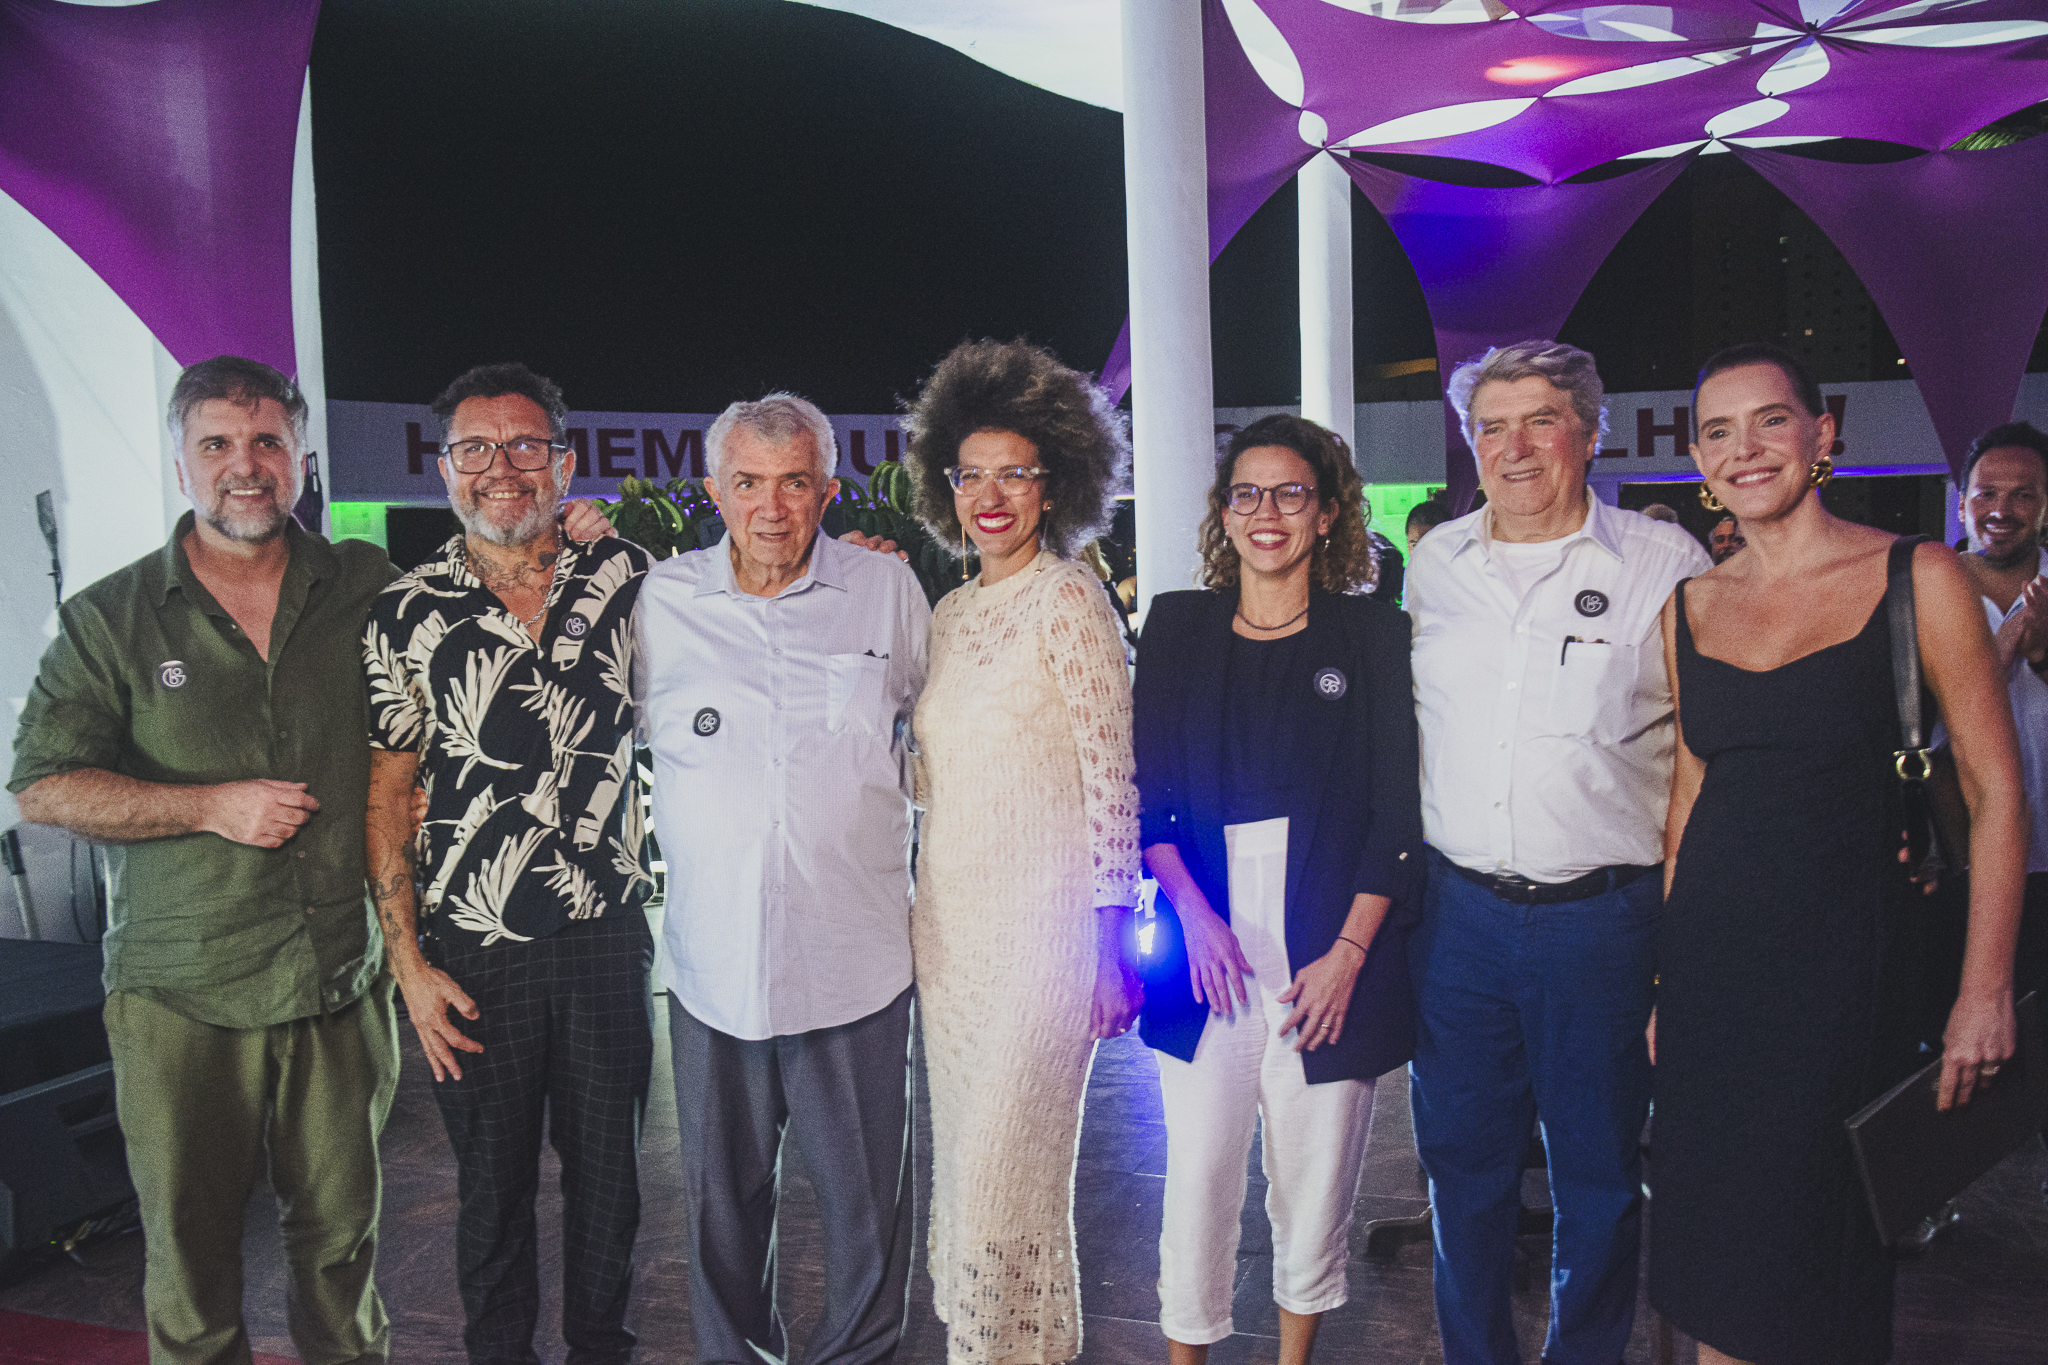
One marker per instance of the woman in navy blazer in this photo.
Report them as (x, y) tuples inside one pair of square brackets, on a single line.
[(1278, 775)]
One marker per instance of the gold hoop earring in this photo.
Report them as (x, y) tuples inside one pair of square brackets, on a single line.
[(963, 552), (1823, 470), (1709, 501)]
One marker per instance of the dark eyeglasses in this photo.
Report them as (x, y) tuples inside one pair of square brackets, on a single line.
[(521, 452), (1288, 498)]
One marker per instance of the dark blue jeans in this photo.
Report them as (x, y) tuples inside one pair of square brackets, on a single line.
[(1528, 1009)]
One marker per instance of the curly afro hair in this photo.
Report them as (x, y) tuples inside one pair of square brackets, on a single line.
[(1342, 561), (1017, 387)]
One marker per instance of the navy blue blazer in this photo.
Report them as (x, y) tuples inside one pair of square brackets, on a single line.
[(1357, 826)]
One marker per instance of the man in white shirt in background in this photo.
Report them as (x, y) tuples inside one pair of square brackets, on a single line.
[(1547, 736), (780, 669), (2005, 504)]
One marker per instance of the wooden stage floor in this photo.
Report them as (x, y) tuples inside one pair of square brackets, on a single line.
[(1979, 1295)]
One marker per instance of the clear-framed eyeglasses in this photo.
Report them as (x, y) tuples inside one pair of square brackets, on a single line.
[(1288, 498), (521, 452), (1011, 478)]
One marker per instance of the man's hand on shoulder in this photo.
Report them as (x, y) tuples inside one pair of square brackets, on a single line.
[(875, 543), (582, 521), (261, 812)]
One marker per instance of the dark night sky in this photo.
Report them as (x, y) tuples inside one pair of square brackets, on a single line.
[(670, 204), (685, 203)]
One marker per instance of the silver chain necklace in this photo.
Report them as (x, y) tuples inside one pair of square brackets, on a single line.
[(554, 575)]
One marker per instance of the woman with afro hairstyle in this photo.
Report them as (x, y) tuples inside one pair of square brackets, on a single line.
[(1283, 819), (1029, 863)]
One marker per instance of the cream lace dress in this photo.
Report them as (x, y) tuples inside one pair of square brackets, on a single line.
[(1024, 732)]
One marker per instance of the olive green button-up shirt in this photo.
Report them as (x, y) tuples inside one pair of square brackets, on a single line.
[(152, 679)]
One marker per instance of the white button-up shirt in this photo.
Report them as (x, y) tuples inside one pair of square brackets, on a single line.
[(2030, 711), (781, 784), (1546, 714)]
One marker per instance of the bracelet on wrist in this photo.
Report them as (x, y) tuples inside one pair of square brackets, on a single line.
[(1356, 944)]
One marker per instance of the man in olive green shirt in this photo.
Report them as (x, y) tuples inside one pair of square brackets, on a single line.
[(203, 710)]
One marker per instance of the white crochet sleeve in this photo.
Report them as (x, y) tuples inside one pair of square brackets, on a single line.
[(1084, 652)]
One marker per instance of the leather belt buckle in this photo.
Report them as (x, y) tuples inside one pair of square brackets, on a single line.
[(1507, 886), (1519, 890), (1512, 888)]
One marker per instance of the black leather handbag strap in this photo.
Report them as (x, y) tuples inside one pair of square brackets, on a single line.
[(1912, 760)]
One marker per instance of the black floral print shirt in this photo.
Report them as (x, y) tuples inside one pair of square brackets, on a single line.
[(526, 751)]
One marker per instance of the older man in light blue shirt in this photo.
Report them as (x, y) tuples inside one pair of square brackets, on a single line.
[(780, 669)]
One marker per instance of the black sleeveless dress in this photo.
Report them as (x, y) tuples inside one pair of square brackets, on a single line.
[(1786, 1003)]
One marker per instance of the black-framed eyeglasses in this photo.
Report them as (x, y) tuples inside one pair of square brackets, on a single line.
[(521, 452), (1011, 478), (1288, 498)]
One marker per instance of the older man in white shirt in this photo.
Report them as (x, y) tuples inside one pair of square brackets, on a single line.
[(780, 669), (1547, 735)]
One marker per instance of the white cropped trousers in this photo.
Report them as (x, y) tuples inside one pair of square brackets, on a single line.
[(1244, 1071)]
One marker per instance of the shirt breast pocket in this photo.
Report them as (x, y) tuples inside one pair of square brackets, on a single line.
[(853, 694), (1589, 696)]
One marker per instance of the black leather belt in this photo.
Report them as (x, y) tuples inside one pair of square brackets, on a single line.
[(1522, 891)]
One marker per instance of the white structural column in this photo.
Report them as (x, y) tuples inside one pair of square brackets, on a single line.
[(1325, 249), (310, 360), (1166, 178)]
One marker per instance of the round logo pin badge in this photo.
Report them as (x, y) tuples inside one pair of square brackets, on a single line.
[(574, 626), (1590, 602), (172, 673), (1331, 684), (706, 722)]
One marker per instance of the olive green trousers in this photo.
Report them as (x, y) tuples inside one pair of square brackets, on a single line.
[(206, 1111)]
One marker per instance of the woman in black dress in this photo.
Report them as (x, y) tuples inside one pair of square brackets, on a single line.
[(1786, 997), (1277, 771)]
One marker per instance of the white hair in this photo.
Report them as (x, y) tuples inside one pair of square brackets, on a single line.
[(776, 420), (1568, 369)]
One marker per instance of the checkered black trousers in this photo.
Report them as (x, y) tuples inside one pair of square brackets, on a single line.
[(566, 1023)]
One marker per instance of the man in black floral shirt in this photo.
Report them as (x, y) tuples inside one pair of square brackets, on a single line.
[(500, 683)]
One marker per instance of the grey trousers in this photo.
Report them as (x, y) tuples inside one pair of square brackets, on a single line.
[(844, 1093)]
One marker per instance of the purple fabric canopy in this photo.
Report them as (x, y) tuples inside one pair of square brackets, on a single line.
[(1865, 74), (1500, 266), (1359, 71), (1950, 246), (1505, 265), (156, 141)]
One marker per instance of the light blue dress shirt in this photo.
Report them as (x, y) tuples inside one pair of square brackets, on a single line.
[(779, 728)]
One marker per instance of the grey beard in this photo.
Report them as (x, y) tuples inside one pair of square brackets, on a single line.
[(250, 530), (524, 531)]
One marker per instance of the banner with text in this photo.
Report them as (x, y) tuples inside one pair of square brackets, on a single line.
[(1882, 427), (386, 452)]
